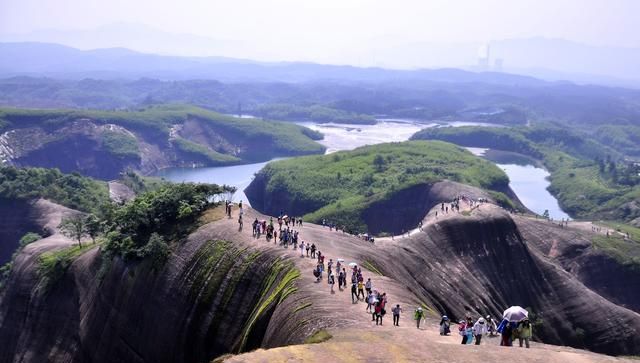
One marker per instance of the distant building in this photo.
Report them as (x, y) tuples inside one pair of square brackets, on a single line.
[(484, 56)]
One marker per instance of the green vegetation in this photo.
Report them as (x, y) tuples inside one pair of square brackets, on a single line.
[(156, 121), (585, 176), (625, 251), (315, 113), (171, 211), (341, 186), (624, 138), (5, 270), (623, 244), (140, 184), (30, 237), (199, 151), (625, 229), (318, 337), (71, 190), (369, 265), (277, 286), (120, 144), (53, 264)]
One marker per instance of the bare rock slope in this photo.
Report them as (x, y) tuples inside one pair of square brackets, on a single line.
[(222, 291)]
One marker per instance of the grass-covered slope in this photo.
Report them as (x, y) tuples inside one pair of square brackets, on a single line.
[(589, 179), (104, 143), (341, 187)]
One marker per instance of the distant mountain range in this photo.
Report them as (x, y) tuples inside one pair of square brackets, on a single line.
[(545, 58), (54, 60)]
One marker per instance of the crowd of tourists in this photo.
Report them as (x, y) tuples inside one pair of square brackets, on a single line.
[(363, 291)]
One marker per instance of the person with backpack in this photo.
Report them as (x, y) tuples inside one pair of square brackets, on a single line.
[(479, 329), (396, 315), (367, 286), (444, 325), (369, 302), (418, 315), (525, 332)]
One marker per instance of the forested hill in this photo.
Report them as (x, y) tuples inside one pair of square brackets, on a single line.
[(105, 143), (343, 101)]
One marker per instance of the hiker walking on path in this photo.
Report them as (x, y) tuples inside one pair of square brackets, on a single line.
[(332, 282), (491, 326), (444, 325), (379, 309), (462, 330), (354, 294), (418, 315), (367, 286), (479, 329), (524, 332), (360, 290), (469, 330), (506, 330), (396, 315)]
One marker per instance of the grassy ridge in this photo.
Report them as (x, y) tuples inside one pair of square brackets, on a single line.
[(577, 182), (283, 137), (211, 156), (315, 113), (342, 185)]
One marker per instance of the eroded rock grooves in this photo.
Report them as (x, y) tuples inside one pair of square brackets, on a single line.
[(222, 291), (212, 297)]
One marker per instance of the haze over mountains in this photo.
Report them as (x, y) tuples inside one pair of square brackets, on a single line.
[(550, 59)]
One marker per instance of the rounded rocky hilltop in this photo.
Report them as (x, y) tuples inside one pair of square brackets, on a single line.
[(223, 291)]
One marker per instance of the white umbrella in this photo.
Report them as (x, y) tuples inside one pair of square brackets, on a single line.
[(352, 264), (340, 260), (515, 314)]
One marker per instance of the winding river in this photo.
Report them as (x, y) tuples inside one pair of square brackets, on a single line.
[(528, 180)]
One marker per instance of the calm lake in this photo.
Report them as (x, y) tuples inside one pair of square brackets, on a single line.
[(527, 180)]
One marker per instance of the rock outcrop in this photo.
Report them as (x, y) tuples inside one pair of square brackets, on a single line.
[(482, 263), (212, 297), (222, 291)]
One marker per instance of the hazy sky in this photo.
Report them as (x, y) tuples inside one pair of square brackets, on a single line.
[(392, 33), (325, 22)]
